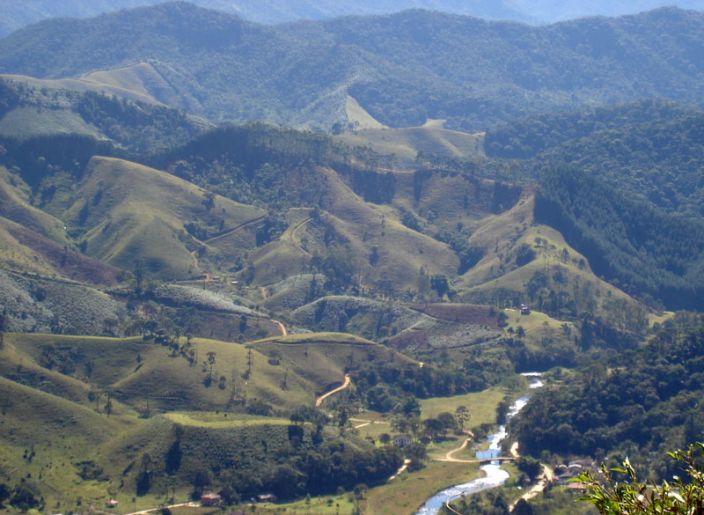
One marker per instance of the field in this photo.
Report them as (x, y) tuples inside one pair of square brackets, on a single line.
[(327, 505), (481, 406)]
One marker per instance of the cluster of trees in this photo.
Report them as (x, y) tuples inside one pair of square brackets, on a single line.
[(142, 128), (638, 404), (658, 160), (52, 162), (390, 386), (23, 497), (287, 461)]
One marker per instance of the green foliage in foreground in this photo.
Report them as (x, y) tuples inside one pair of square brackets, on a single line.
[(685, 494)]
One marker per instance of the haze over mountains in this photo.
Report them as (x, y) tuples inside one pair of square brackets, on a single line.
[(402, 69), (16, 15)]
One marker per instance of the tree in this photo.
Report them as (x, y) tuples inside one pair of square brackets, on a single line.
[(461, 416), (138, 273), (108, 405), (612, 495), (4, 493), (441, 284), (423, 284), (523, 507), (24, 498), (417, 454), (200, 479), (530, 466), (524, 255), (448, 421), (434, 428), (208, 365), (172, 460), (144, 478)]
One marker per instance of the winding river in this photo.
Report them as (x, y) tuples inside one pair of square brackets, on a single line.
[(494, 475)]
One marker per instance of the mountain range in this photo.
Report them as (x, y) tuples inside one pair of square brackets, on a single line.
[(15, 16), (203, 295), (400, 69)]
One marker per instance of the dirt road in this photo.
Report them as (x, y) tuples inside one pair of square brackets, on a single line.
[(282, 328), (345, 385)]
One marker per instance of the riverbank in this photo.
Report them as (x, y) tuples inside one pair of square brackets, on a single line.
[(494, 475)]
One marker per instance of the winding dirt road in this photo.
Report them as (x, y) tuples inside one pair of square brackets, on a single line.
[(345, 385), (449, 456), (400, 471), (545, 478), (282, 328), (228, 232)]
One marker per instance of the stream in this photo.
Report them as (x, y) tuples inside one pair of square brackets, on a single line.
[(494, 475)]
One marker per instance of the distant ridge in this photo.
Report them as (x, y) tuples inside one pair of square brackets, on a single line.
[(16, 15), (401, 69)]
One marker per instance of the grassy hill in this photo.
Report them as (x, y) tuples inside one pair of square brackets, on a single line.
[(522, 262), (466, 73), (111, 106), (283, 372), (406, 143), (358, 227), (15, 205), (63, 395), (123, 225)]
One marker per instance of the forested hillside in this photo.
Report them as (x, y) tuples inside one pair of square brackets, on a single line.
[(34, 109), (623, 186), (471, 72), (633, 244)]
